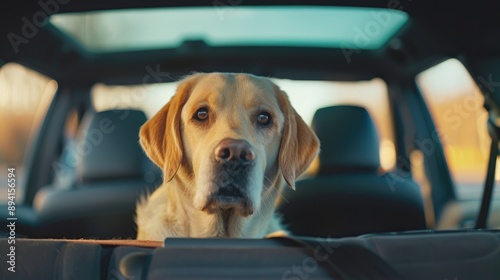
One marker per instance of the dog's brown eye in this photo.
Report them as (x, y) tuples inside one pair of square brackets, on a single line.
[(201, 114), (264, 118)]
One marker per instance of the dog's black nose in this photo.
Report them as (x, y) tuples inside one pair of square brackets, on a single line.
[(236, 150)]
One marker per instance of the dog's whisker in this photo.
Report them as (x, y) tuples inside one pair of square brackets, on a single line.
[(281, 195), (267, 197), (267, 201), (273, 186)]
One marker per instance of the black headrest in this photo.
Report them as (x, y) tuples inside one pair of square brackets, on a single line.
[(109, 145), (349, 140)]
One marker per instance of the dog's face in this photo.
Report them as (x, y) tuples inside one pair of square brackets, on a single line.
[(231, 127), (228, 138)]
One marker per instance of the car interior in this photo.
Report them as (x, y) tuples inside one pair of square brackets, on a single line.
[(105, 187), (350, 162), (365, 209)]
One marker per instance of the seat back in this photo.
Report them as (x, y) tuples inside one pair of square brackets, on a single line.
[(349, 196), (112, 172)]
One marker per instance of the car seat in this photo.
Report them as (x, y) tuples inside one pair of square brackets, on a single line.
[(349, 196), (112, 172)]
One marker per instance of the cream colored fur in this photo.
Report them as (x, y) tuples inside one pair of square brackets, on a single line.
[(184, 147)]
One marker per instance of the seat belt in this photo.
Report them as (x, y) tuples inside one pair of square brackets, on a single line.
[(494, 131)]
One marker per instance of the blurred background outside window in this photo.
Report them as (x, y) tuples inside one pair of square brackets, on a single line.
[(25, 96), (456, 106)]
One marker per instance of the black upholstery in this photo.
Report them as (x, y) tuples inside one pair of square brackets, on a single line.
[(349, 141), (471, 254), (112, 172), (109, 147), (348, 197), (52, 260)]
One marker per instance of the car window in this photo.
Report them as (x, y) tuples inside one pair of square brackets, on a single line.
[(140, 29), (24, 99), (456, 106), (305, 96)]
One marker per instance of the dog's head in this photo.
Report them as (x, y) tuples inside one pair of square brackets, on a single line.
[(228, 138)]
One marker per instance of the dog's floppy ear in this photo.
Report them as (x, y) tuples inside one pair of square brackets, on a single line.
[(160, 137), (299, 144)]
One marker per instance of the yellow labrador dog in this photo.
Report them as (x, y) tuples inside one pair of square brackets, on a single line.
[(226, 144)]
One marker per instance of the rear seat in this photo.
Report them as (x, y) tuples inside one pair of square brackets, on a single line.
[(348, 197), (429, 255), (112, 172)]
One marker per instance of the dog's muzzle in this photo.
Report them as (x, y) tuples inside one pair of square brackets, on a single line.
[(233, 162)]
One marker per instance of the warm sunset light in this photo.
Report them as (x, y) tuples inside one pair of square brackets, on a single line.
[(456, 105)]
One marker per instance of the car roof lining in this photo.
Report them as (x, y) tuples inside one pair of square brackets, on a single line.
[(422, 44)]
